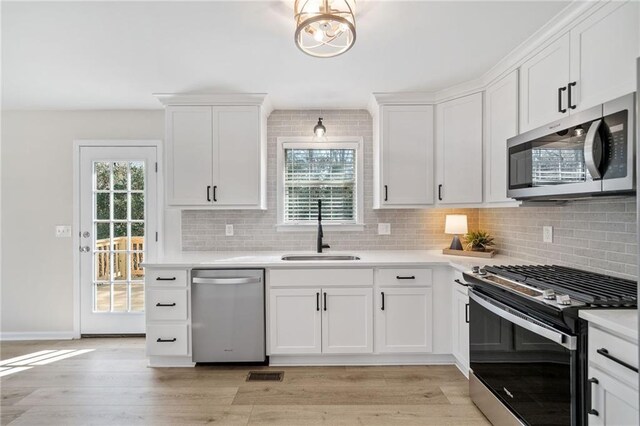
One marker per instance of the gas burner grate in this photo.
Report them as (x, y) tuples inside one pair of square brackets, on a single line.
[(588, 287)]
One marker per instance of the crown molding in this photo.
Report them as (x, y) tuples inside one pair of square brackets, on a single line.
[(194, 99)]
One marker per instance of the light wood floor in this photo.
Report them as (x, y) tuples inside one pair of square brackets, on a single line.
[(113, 386)]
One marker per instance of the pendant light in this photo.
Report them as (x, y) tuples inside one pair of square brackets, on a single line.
[(325, 28)]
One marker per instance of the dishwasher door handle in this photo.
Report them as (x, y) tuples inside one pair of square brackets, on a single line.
[(228, 281)]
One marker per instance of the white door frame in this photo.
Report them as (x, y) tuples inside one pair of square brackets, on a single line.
[(77, 145)]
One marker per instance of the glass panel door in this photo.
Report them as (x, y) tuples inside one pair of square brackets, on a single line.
[(117, 214)]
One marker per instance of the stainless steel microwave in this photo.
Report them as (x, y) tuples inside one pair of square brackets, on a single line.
[(586, 154)]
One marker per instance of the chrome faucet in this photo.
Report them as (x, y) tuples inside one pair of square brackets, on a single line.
[(320, 246)]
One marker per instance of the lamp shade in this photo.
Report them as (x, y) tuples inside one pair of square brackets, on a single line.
[(456, 224)]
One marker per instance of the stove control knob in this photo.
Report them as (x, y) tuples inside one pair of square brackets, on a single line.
[(482, 271), (475, 269), (563, 299), (549, 294)]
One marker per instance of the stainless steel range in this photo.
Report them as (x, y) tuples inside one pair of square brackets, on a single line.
[(527, 346)]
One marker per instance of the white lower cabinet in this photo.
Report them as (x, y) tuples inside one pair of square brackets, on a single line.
[(404, 320), (460, 326), (316, 320), (613, 403), (612, 379), (347, 321)]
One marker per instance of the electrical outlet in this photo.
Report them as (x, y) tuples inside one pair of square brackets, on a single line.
[(228, 230), (384, 229), (63, 231), (547, 234)]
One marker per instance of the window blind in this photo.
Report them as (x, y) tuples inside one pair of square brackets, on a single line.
[(325, 174)]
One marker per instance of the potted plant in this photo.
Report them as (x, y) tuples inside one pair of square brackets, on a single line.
[(478, 241)]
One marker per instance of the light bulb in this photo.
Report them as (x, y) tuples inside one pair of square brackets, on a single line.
[(318, 35), (319, 133)]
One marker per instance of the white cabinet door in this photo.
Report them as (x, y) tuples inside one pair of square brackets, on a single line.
[(541, 80), (460, 338), (237, 152), (604, 48), (406, 158), (615, 403), (347, 320), (294, 321), (459, 139), (404, 320), (501, 123), (189, 155)]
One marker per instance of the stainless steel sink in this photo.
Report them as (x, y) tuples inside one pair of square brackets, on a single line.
[(308, 257)]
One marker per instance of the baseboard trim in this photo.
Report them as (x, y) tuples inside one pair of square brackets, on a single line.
[(37, 335), (364, 359)]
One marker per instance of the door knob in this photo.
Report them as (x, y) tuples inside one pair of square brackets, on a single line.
[(85, 249), (86, 234)]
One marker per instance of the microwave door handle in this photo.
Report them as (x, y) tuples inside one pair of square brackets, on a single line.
[(593, 145)]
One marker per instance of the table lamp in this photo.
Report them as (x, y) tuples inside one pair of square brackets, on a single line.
[(456, 224)]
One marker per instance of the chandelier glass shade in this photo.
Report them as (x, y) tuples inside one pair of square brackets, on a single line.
[(325, 28)]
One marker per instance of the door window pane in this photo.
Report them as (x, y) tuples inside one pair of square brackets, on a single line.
[(119, 229), (120, 174)]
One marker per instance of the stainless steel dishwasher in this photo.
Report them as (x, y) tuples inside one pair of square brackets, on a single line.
[(228, 315)]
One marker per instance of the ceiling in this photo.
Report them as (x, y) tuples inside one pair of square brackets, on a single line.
[(114, 55)]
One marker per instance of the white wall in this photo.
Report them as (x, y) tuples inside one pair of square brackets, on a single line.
[(37, 171)]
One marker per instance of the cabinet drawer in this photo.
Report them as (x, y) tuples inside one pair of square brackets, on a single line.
[(320, 277), (404, 276), (168, 340), (616, 347), (166, 304), (166, 277)]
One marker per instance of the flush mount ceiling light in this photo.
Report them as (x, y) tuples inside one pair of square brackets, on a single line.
[(325, 28)]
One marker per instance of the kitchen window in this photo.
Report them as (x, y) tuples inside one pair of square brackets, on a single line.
[(330, 171)]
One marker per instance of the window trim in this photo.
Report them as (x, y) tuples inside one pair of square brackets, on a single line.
[(333, 142)]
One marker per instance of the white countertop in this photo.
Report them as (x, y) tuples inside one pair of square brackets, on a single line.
[(257, 259), (621, 321)]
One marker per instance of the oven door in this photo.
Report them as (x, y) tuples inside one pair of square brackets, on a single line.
[(529, 367)]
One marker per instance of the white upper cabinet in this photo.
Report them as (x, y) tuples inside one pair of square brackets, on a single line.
[(501, 123), (190, 153), (604, 48), (543, 85), (459, 150), (592, 63), (403, 156), (216, 154), (237, 155)]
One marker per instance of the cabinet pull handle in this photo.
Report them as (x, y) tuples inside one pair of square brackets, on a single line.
[(461, 283), (215, 190), (382, 293), (318, 302), (161, 340), (466, 313), (325, 301), (208, 192), (592, 381), (605, 353), (166, 304), (165, 279), (440, 192), (572, 84), (560, 109), (400, 277), (386, 193)]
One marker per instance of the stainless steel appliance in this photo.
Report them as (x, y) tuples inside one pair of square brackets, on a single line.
[(228, 315), (586, 154), (527, 345)]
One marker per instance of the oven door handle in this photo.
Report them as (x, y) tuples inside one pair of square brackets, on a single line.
[(526, 322)]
